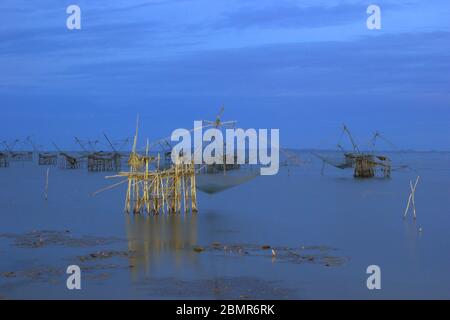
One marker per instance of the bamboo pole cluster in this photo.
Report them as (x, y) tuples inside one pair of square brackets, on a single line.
[(158, 191), (155, 190)]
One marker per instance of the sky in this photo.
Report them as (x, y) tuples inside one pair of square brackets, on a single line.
[(304, 67)]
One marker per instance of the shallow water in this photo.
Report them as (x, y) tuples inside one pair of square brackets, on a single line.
[(342, 224)]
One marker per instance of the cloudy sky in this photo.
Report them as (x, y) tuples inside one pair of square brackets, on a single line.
[(303, 66)]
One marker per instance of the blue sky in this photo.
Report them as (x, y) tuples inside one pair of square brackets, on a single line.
[(303, 66)]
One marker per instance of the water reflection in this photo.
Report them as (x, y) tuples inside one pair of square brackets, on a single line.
[(411, 232), (160, 239)]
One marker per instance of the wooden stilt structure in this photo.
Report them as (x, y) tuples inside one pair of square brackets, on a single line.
[(44, 158), (158, 191), (100, 161), (4, 160), (368, 166), (47, 159), (104, 161), (364, 164), (67, 161), (17, 156), (224, 166)]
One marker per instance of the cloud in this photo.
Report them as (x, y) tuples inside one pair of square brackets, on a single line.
[(406, 64), (290, 14), (285, 16), (153, 55)]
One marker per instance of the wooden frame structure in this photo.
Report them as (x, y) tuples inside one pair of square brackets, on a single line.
[(364, 164), (67, 161), (44, 158), (47, 159), (17, 156), (368, 166), (21, 156), (154, 190), (171, 190), (223, 167), (104, 161), (100, 161)]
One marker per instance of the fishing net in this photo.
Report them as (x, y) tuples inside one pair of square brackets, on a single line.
[(338, 160), (215, 183)]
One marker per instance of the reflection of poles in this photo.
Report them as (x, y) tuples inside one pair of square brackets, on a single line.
[(146, 199), (46, 184), (193, 188), (411, 198), (149, 238), (128, 196)]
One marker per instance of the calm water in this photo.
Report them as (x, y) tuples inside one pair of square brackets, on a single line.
[(360, 219)]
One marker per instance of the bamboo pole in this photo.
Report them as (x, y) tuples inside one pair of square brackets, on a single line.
[(179, 189), (163, 194), (157, 194), (411, 198), (183, 186), (109, 187)]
